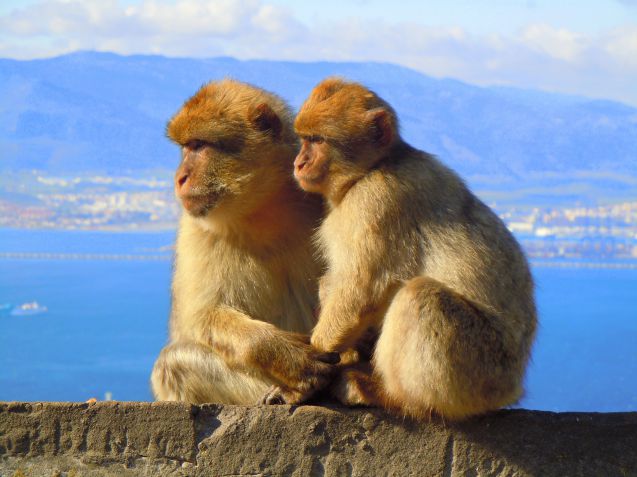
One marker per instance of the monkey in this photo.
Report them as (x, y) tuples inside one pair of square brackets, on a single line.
[(415, 256), (244, 285)]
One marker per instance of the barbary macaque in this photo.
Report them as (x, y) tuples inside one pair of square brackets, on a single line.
[(244, 288), (414, 256)]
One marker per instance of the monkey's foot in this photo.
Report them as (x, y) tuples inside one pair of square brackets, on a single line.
[(356, 386)]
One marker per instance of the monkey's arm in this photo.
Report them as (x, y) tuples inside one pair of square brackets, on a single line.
[(253, 345), (352, 300), (345, 316)]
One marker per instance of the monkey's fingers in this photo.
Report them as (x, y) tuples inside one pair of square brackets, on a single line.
[(273, 396), (329, 358), (278, 395)]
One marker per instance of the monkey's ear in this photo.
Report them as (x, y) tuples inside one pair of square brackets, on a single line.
[(382, 126), (265, 119)]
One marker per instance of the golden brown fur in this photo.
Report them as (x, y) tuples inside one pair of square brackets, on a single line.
[(411, 252), (244, 285)]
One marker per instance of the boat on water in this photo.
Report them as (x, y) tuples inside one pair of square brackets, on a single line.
[(32, 308)]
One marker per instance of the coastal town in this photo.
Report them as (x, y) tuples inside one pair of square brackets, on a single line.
[(98, 202)]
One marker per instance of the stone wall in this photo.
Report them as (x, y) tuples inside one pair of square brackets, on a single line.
[(152, 439)]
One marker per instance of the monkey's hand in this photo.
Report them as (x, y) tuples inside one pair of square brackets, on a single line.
[(328, 338), (338, 332), (298, 368)]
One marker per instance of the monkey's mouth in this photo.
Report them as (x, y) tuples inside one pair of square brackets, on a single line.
[(198, 205), (310, 177)]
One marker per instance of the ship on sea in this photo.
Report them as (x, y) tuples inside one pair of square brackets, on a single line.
[(26, 309)]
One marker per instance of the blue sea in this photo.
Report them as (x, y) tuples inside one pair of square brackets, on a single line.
[(108, 296)]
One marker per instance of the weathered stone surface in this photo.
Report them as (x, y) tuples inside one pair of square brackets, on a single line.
[(150, 439)]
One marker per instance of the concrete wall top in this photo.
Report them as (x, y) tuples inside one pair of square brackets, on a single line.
[(172, 439)]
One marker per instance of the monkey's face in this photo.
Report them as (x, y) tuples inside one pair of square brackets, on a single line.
[(225, 177), (199, 180), (328, 167), (312, 164)]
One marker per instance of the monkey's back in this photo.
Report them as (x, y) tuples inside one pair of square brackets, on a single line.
[(428, 223), (467, 247)]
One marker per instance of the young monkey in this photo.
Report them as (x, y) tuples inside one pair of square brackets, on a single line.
[(413, 255)]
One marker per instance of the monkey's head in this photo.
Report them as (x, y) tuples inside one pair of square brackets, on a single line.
[(237, 146), (345, 129)]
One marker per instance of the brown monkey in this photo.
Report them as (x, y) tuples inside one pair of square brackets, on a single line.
[(245, 275), (413, 254)]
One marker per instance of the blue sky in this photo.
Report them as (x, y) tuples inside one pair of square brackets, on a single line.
[(581, 47)]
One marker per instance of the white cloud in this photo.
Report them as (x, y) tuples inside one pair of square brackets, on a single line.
[(193, 17), (538, 56), (556, 43), (621, 45), (75, 18)]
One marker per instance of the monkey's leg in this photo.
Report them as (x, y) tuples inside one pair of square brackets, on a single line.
[(440, 352), (192, 372), (355, 383)]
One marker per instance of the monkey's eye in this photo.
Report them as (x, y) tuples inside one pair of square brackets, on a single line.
[(195, 144), (222, 145), (316, 139)]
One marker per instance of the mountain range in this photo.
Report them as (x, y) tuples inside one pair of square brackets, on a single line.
[(105, 113)]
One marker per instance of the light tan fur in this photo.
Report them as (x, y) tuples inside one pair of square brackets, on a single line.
[(412, 253), (245, 274)]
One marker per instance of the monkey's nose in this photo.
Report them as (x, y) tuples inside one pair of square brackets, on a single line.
[(181, 180), (300, 162)]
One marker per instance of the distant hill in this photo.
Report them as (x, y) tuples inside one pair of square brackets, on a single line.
[(106, 113)]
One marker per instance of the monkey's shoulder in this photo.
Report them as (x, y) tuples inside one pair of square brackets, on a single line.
[(401, 187)]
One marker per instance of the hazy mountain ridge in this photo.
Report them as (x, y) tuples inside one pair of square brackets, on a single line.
[(104, 112)]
